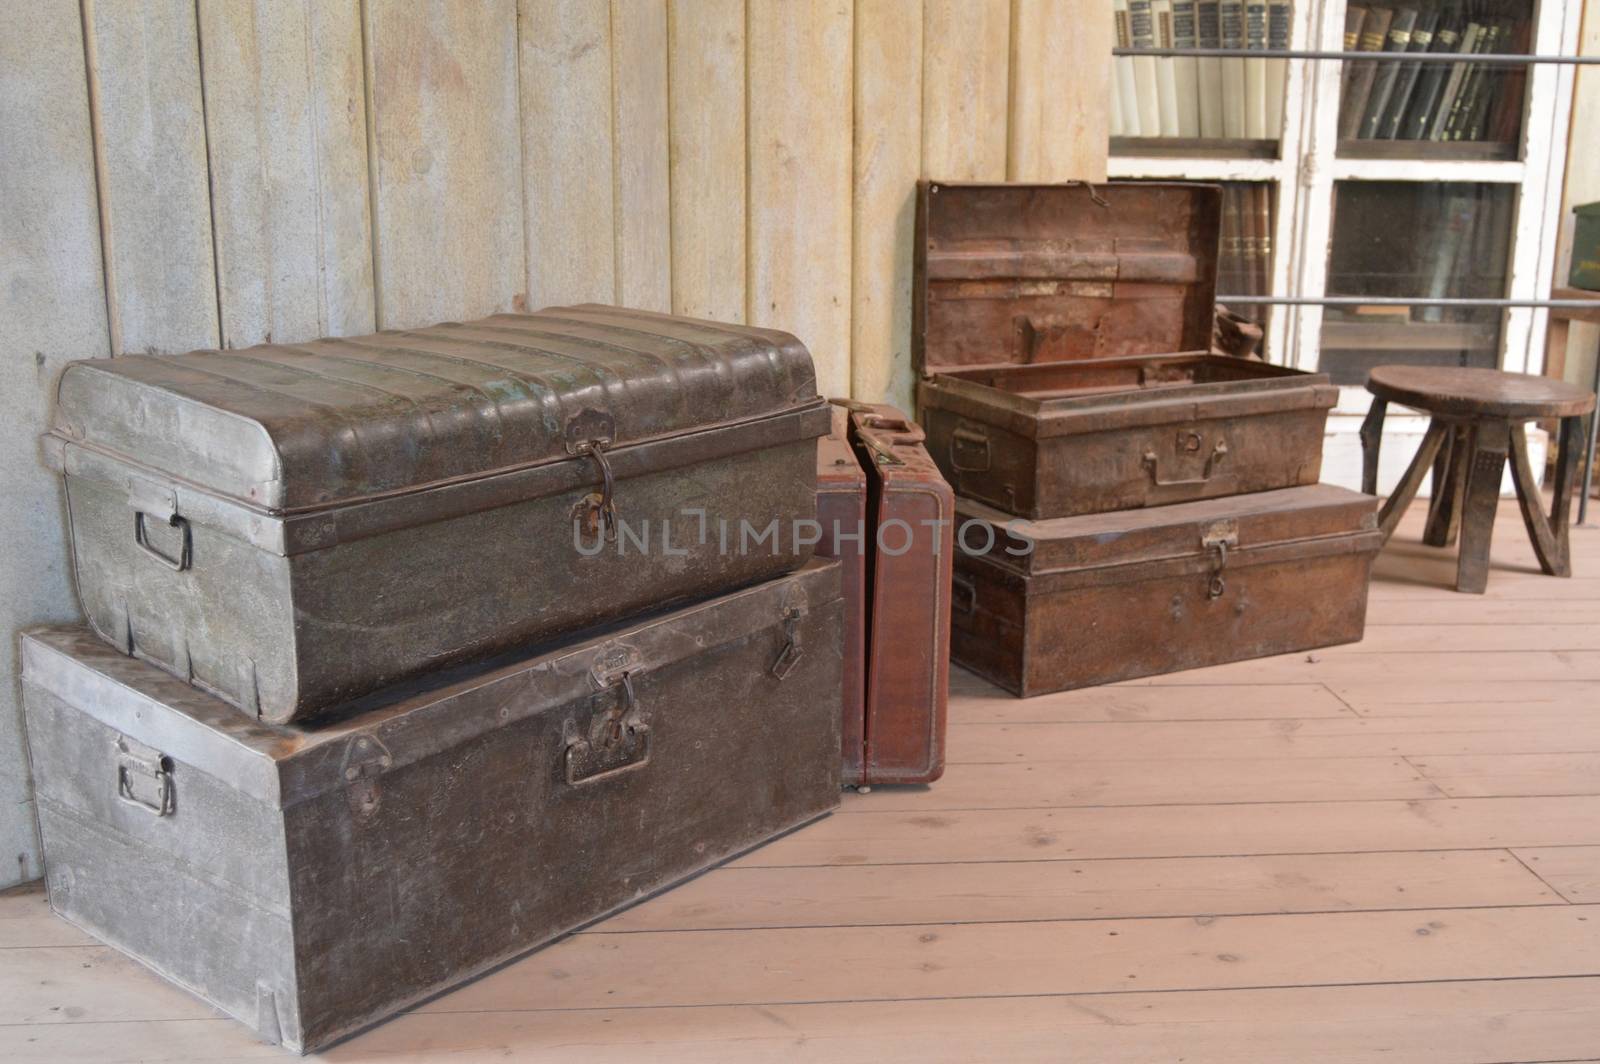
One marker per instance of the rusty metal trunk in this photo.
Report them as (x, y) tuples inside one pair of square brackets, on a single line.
[(1074, 602), (1037, 308), (331, 876), (293, 526)]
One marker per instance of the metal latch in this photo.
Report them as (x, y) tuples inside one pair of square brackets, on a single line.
[(144, 777), (617, 741), (1218, 538), (589, 433), (791, 653)]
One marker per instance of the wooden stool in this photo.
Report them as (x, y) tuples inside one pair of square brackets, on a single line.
[(1478, 417)]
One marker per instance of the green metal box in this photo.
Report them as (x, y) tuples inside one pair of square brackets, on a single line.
[(1586, 247)]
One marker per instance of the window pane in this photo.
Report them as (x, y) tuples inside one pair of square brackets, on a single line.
[(1434, 110), (1414, 239)]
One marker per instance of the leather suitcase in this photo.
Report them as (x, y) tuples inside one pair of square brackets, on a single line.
[(1043, 606), (910, 515), (294, 526), (842, 514), (312, 881), (1031, 307)]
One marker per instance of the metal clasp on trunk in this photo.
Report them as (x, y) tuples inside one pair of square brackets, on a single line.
[(1218, 538), (589, 434), (791, 653), (618, 741), (144, 777)]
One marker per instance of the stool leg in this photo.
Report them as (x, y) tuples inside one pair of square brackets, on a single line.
[(1449, 488), (1549, 534), (1371, 441), (1491, 442), (1394, 507)]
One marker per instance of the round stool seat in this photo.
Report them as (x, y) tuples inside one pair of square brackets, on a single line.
[(1457, 392)]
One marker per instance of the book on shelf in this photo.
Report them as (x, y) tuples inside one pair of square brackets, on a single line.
[(1460, 101), (1424, 96), (1142, 28), (1222, 98), (1166, 78), (1185, 69), (1360, 76), (1385, 123), (1127, 91), (1244, 258), (1234, 120), (1255, 73), (1208, 34), (1383, 82), (1280, 18)]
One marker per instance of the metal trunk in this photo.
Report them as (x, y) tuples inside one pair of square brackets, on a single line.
[(1036, 308), (1110, 597), (292, 527), (311, 882)]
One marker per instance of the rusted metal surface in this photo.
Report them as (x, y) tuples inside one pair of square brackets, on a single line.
[(1115, 596), (910, 519), (291, 527), (520, 802), (1114, 434), (1479, 423), (842, 513), (1037, 310), (1019, 274)]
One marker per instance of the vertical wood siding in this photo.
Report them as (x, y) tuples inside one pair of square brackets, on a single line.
[(52, 309), (181, 174)]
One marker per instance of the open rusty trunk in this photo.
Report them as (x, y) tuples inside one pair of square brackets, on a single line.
[(1037, 310)]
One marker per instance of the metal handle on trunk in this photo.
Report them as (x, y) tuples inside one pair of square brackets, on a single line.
[(185, 552), (618, 741), (975, 441), (1152, 462), (143, 778)]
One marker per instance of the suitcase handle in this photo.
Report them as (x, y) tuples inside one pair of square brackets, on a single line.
[(1152, 462), (898, 429), (185, 555), (976, 441)]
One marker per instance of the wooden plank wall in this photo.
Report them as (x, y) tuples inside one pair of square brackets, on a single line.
[(181, 174)]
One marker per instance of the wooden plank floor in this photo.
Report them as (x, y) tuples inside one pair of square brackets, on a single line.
[(1389, 851)]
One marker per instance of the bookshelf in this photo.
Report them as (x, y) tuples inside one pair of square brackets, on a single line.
[(1354, 212)]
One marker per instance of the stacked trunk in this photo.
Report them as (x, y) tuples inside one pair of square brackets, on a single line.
[(1128, 504), (418, 650)]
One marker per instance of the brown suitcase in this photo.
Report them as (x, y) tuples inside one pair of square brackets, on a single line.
[(1108, 597), (910, 513), (842, 513), (1017, 285)]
